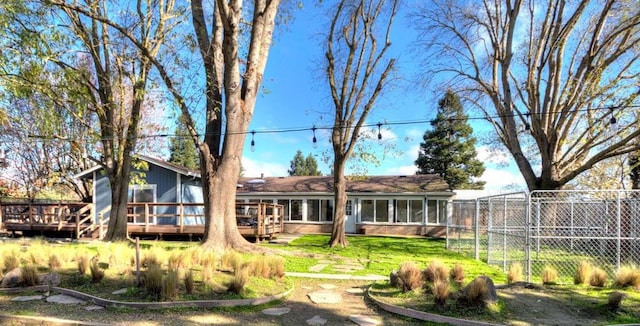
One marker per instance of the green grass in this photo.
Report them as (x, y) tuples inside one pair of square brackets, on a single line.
[(380, 255)]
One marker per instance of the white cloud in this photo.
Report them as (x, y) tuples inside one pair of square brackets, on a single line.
[(502, 179), (256, 168), (493, 155)]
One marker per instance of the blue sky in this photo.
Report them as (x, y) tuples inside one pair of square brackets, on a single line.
[(296, 97)]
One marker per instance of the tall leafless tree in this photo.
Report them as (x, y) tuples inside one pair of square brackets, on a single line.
[(553, 75), (357, 71)]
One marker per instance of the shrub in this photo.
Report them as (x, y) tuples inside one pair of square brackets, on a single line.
[(614, 300), (409, 276), (441, 292), (83, 264), (97, 273), (54, 262), (627, 276), (188, 282), (582, 273), (239, 280), (29, 276), (457, 274), (549, 275), (598, 277), (436, 270), (170, 285), (152, 281), (515, 273)]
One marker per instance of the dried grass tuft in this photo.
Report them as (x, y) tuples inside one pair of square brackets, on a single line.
[(239, 280), (97, 273), (409, 276), (170, 285), (152, 281), (627, 276), (515, 273), (441, 292), (549, 275), (436, 270), (189, 284), (476, 291), (598, 277), (29, 276), (83, 263), (457, 274), (54, 262), (582, 273)]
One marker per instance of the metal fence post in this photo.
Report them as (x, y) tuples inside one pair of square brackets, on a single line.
[(619, 234), (476, 222), (527, 236)]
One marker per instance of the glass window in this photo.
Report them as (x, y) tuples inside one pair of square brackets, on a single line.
[(141, 194), (313, 210), (382, 211), (286, 214), (432, 211), (327, 210), (366, 210), (348, 208), (296, 209), (416, 211), (401, 211)]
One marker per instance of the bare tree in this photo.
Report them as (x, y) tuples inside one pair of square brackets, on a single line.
[(561, 76), (357, 70)]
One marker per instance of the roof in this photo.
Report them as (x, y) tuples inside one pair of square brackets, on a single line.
[(420, 183), (155, 161)]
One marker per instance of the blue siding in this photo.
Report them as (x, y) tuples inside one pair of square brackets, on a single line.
[(102, 195), (165, 181), (192, 193)]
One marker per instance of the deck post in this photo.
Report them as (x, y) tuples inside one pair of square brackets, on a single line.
[(100, 220), (181, 217), (146, 217)]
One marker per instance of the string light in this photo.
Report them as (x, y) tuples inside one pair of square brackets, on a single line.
[(379, 133), (527, 126), (315, 141), (253, 143), (613, 122)]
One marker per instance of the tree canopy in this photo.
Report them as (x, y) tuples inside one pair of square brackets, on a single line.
[(449, 148), (301, 166)]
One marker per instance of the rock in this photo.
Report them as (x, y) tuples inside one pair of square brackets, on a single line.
[(64, 299), (276, 311), (325, 296), (364, 320), (50, 279), (488, 294), (121, 291), (317, 268), (12, 278), (316, 321), (28, 298), (327, 286)]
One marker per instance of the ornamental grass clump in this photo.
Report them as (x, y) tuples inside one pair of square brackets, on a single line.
[(441, 292), (598, 277), (583, 272), (170, 285), (97, 273), (476, 291), (29, 276), (436, 270), (276, 265), (515, 273), (549, 275), (239, 280), (152, 281), (456, 274), (83, 263), (54, 262), (11, 260), (409, 276), (189, 284), (627, 276), (259, 267)]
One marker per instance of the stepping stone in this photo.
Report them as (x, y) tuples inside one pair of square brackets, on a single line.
[(327, 286), (64, 299), (364, 320), (93, 308), (317, 268), (316, 321), (355, 290), (121, 291), (28, 298), (276, 311), (325, 296)]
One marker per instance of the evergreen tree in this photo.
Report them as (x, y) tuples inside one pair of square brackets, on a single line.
[(449, 148), (183, 151), (301, 166)]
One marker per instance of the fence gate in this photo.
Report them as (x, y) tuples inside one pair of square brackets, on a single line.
[(550, 228)]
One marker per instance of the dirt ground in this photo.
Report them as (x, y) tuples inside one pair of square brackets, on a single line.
[(526, 307)]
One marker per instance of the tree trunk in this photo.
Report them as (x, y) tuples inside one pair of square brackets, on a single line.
[(338, 237), (119, 181)]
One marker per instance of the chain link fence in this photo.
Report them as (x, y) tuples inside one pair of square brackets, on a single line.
[(549, 228)]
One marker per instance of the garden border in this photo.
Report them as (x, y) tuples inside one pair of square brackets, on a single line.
[(154, 305)]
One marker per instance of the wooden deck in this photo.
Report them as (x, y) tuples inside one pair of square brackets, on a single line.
[(75, 220)]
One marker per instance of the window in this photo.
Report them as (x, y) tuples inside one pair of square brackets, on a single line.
[(408, 211), (348, 208), (416, 211), (319, 210), (374, 210), (141, 194), (296, 210), (436, 211), (286, 214)]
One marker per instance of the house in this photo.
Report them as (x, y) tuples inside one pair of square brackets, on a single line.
[(402, 205)]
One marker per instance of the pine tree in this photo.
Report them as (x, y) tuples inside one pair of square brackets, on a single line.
[(301, 166), (183, 151), (449, 148)]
